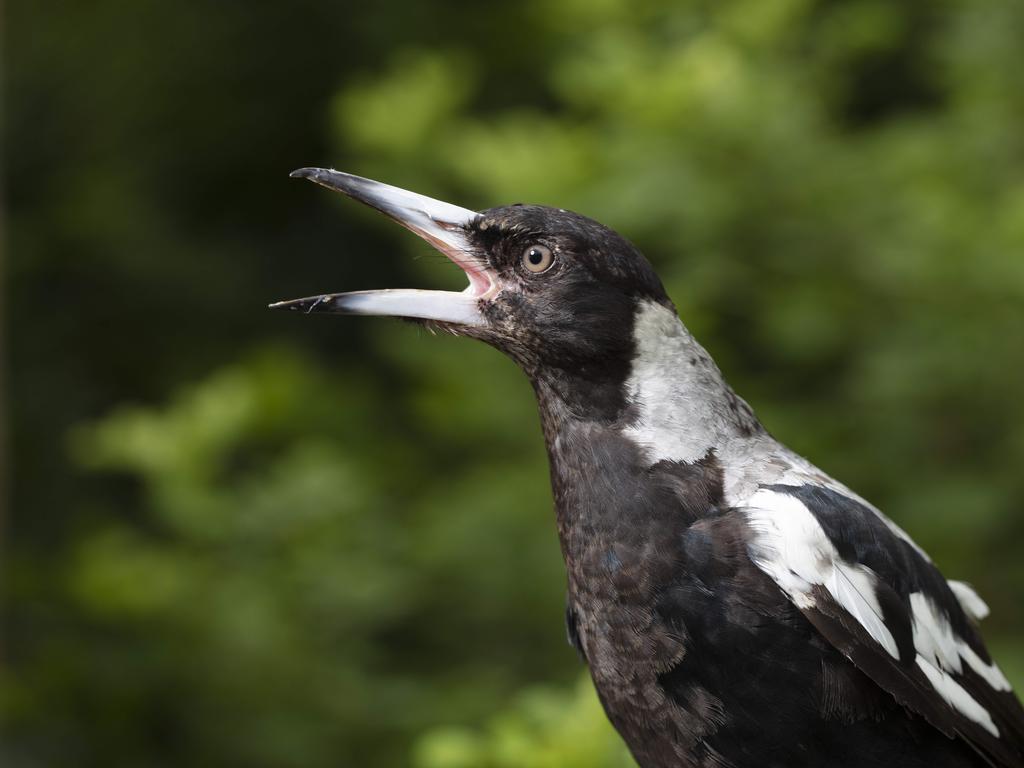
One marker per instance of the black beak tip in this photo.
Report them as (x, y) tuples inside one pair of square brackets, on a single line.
[(306, 173), (292, 305)]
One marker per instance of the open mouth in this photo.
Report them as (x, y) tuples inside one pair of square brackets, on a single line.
[(444, 226)]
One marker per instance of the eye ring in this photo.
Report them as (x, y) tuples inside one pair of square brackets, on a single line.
[(537, 258)]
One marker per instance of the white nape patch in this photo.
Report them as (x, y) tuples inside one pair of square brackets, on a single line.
[(676, 388), (935, 641), (793, 548), (955, 695), (683, 411), (969, 600)]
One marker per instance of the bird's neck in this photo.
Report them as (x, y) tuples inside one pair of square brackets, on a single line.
[(680, 407), (670, 405)]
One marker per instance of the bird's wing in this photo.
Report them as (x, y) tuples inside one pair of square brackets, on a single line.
[(879, 600)]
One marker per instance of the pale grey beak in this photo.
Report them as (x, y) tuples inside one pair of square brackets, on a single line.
[(444, 226)]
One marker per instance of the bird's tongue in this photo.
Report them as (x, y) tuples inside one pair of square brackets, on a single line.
[(442, 225)]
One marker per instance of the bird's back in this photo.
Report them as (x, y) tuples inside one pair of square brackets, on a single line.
[(738, 607), (697, 654)]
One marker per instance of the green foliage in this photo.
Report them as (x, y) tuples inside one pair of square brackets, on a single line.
[(249, 539), (314, 574), (542, 728)]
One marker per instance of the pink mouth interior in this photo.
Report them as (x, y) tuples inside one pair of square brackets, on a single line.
[(482, 282)]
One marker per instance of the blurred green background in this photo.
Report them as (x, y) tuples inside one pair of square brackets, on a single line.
[(241, 538)]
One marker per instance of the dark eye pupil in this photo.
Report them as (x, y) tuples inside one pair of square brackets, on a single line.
[(536, 257)]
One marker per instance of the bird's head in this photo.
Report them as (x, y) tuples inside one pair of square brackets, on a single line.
[(553, 289)]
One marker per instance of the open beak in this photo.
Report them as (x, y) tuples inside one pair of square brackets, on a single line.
[(444, 226)]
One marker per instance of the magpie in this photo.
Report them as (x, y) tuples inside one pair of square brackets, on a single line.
[(736, 606)]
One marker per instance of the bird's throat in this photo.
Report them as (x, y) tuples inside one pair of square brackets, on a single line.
[(671, 406)]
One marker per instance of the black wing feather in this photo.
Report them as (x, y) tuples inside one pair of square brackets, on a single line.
[(862, 537)]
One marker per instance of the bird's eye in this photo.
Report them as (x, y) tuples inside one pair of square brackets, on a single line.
[(537, 258)]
